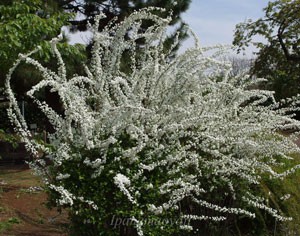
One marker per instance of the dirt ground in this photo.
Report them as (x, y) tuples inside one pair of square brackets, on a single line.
[(22, 206)]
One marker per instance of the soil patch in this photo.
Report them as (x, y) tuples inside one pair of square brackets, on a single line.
[(22, 206)]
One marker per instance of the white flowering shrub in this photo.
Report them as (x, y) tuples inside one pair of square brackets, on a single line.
[(164, 139)]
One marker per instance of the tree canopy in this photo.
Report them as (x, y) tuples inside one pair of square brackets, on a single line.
[(278, 58), (88, 9), (24, 25), (121, 8)]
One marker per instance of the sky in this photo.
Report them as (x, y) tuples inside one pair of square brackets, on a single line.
[(213, 21)]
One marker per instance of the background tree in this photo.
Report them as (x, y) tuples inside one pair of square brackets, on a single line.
[(88, 9), (278, 59), (25, 25)]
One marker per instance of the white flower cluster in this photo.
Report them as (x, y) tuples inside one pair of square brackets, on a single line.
[(185, 117), (67, 198), (122, 182)]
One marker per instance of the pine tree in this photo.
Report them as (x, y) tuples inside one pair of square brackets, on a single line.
[(122, 8)]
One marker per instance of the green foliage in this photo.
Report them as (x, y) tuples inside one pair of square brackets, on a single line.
[(5, 137), (115, 211), (24, 25), (278, 59), (282, 75), (276, 190)]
